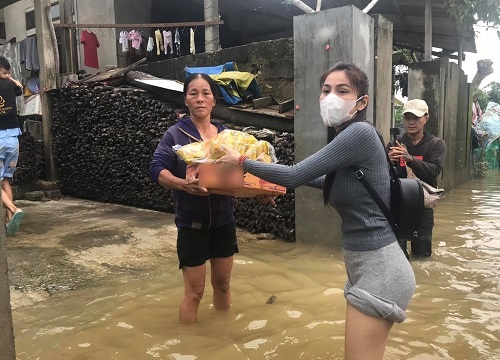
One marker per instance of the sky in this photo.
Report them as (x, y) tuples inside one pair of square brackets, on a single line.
[(488, 47)]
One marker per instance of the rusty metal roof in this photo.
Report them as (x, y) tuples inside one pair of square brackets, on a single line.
[(5, 3), (268, 19)]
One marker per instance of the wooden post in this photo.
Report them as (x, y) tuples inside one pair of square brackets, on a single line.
[(49, 73), (7, 347), (428, 31), (460, 51), (212, 31), (66, 15)]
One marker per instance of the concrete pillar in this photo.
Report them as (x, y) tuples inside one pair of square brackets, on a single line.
[(7, 347), (382, 101), (443, 85), (212, 31), (320, 40), (49, 74)]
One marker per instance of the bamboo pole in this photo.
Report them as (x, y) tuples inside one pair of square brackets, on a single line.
[(318, 5), (137, 26), (302, 6), (370, 6)]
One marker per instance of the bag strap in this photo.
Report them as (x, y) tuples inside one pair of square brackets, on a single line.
[(360, 175)]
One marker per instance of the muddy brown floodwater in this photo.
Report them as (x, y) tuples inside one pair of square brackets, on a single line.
[(99, 281)]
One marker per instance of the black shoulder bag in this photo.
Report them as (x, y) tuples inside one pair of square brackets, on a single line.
[(407, 203)]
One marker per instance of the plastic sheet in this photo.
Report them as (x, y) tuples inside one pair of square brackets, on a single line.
[(490, 125), (209, 151)]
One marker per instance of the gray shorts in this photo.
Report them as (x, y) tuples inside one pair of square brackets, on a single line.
[(380, 283)]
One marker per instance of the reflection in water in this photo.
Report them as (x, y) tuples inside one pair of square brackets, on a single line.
[(455, 313)]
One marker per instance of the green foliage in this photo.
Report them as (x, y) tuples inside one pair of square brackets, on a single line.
[(400, 80), (470, 12), (494, 92), (401, 58), (398, 116), (479, 164), (483, 98)]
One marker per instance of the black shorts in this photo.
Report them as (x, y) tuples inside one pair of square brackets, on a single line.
[(196, 246)]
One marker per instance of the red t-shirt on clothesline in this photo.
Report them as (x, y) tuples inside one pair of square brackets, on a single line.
[(90, 45)]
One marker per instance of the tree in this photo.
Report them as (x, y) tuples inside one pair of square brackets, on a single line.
[(401, 59), (470, 12), (494, 92), (482, 97), (484, 68)]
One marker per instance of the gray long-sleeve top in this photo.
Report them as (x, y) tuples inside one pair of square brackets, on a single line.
[(364, 226)]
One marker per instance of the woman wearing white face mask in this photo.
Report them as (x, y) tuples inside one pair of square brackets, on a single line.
[(380, 282)]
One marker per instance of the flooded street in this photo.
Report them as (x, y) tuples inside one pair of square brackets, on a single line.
[(455, 313)]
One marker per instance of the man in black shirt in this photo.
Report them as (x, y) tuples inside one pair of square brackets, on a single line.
[(9, 143), (424, 154)]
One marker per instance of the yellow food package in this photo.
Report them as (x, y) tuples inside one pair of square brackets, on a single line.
[(210, 150)]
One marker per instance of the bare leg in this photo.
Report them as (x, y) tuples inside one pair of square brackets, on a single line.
[(7, 199), (365, 336), (221, 281), (194, 286), (7, 188)]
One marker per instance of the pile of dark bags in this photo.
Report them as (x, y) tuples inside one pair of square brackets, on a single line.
[(30, 165), (104, 138)]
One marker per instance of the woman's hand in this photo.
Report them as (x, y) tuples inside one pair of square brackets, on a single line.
[(191, 182), (231, 157)]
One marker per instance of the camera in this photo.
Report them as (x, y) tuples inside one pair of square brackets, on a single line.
[(395, 131)]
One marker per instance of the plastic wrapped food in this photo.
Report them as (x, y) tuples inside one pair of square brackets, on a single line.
[(210, 150)]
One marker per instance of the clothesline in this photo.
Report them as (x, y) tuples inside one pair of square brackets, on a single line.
[(157, 25)]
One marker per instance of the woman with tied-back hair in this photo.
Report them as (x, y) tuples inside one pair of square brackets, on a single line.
[(205, 222), (380, 281)]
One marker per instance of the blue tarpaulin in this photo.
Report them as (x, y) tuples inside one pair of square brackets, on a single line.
[(234, 88)]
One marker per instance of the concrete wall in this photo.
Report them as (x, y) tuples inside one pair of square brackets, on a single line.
[(269, 61), (349, 34), (88, 11), (7, 346), (130, 12), (98, 12), (443, 85), (14, 14)]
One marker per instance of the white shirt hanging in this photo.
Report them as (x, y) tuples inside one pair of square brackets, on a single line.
[(192, 46), (124, 40), (151, 44)]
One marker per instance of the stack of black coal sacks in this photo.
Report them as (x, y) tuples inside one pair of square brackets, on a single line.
[(104, 138), (30, 165)]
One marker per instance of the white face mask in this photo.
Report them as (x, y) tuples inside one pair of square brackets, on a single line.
[(335, 110)]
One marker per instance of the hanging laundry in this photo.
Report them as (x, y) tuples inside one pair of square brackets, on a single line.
[(159, 42), (136, 38), (177, 42), (124, 37), (167, 41), (151, 44), (29, 54), (90, 45), (192, 47)]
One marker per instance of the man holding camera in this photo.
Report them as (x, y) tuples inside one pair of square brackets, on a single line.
[(424, 154)]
